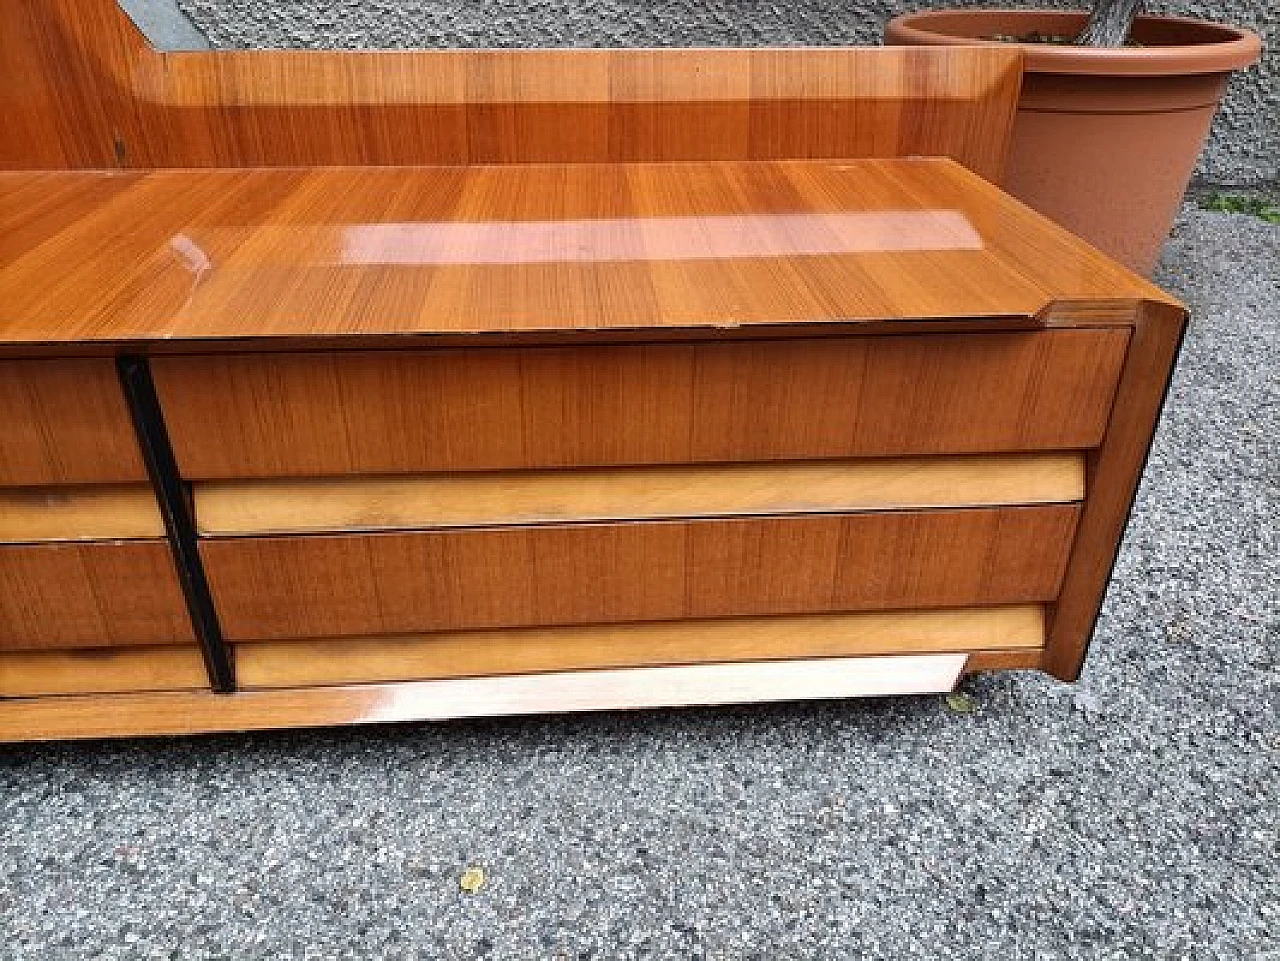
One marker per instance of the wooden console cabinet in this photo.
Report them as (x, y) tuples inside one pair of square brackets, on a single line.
[(687, 388)]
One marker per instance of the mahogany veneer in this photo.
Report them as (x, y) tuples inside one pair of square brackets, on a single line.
[(548, 253), (317, 586), (64, 421), (82, 88), (100, 594), (544, 407), (345, 660), (491, 498), (548, 444), (542, 380)]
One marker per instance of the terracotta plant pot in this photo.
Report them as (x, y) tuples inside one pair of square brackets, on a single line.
[(1105, 139)]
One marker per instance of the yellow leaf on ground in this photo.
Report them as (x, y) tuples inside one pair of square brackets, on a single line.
[(960, 703), (472, 880)]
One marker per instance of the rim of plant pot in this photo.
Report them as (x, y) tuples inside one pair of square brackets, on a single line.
[(1170, 46)]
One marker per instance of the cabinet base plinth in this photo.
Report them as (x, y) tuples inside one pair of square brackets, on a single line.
[(185, 712)]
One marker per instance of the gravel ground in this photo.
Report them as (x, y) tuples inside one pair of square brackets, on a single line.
[(1133, 815)]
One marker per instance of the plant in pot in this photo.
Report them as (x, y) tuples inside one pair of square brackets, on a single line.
[(1114, 111)]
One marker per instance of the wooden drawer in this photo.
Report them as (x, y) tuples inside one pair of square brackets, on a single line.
[(1007, 632), (508, 498), (353, 584), (102, 594), (309, 414), (65, 422), (172, 667), (95, 512)]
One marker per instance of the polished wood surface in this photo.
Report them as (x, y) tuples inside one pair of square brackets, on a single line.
[(90, 595), (64, 422), (81, 88), (1023, 659), (419, 501), (1114, 472), (299, 663), (102, 671), (327, 585), (287, 414), (575, 338), (140, 715), (254, 255), (193, 712), (100, 512)]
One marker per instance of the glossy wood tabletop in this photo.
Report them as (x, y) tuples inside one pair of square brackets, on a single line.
[(438, 250)]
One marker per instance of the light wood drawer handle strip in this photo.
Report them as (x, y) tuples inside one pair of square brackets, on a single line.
[(551, 496), (80, 513), (173, 712), (295, 663), (100, 671)]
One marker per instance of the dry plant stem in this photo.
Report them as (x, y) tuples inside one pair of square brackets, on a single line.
[(1109, 23)]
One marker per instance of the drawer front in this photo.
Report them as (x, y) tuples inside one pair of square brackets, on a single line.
[(95, 512), (175, 667), (1009, 630), (507, 498), (65, 422), (335, 585), (90, 595), (277, 415)]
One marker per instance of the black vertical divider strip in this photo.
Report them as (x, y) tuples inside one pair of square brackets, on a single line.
[(175, 506)]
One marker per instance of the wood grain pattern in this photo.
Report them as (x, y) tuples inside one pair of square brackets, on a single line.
[(513, 280), (1028, 242), (550, 250), (1025, 659), (141, 715), (102, 671), (418, 501), (99, 512), (90, 595), (271, 415), (336, 585), (1114, 471), (84, 89), (64, 422), (300, 663)]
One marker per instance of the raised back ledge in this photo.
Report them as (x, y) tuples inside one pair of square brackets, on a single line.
[(619, 252), (85, 90)]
